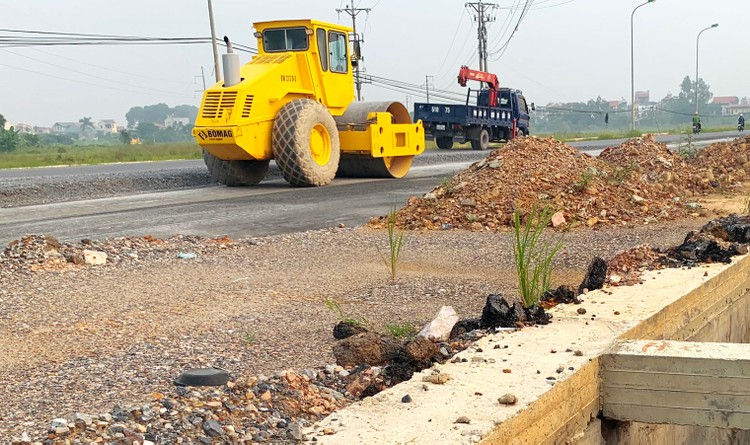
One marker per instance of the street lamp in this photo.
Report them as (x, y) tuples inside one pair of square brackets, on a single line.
[(697, 41), (632, 69)]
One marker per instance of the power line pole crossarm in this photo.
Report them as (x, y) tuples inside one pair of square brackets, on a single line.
[(353, 12), (483, 15)]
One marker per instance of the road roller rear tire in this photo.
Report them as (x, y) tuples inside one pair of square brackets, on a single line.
[(306, 143), (444, 143), (483, 143), (235, 173)]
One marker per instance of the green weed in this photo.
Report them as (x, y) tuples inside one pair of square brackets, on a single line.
[(250, 338), (335, 307), (533, 256), (400, 330), (395, 245)]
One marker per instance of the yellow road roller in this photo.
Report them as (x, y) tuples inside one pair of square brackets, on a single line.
[(293, 103)]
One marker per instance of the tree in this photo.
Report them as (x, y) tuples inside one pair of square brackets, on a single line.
[(150, 114), (125, 136), (85, 124), (687, 91), (8, 140), (2, 122)]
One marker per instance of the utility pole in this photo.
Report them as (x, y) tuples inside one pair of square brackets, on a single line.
[(213, 41), (427, 85), (357, 55), (203, 78), (482, 15)]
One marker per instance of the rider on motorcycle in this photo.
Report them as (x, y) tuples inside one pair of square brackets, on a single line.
[(741, 121), (696, 122)]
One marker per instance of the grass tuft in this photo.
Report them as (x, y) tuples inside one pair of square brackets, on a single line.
[(533, 256)]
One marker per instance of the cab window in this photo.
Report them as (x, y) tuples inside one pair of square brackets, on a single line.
[(504, 98), (320, 35), (337, 50), (287, 39), (522, 104)]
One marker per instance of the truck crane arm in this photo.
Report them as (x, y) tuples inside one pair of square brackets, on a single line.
[(466, 73)]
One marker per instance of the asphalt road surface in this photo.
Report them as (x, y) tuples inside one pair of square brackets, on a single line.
[(269, 208)]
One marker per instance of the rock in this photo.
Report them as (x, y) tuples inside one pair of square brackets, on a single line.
[(420, 352), (213, 428), (59, 422), (83, 419), (703, 247), (498, 312), (463, 419), (294, 431), (558, 219), (463, 326), (439, 329), (366, 348), (494, 164), (733, 228), (581, 311), (406, 399), (347, 328), (563, 294), (637, 199), (536, 314), (94, 258), (438, 379), (508, 399), (595, 275), (592, 221), (468, 203)]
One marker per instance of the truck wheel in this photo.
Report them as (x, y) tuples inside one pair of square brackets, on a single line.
[(483, 142), (235, 173), (306, 143), (445, 142)]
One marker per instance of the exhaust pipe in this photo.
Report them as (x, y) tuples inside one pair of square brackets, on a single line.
[(231, 65)]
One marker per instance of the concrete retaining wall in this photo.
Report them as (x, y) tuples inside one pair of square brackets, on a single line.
[(706, 303)]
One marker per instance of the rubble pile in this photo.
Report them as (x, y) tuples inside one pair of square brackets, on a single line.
[(652, 162), (625, 268), (252, 410), (724, 164), (34, 253), (533, 172)]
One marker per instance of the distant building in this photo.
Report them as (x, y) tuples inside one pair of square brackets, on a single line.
[(616, 104), (107, 126), (24, 128), (734, 110), (7, 125), (171, 121), (42, 130), (642, 97), (725, 100), (66, 127)]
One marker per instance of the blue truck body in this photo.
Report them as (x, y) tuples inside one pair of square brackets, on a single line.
[(480, 124)]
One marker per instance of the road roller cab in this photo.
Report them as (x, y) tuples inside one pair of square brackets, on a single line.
[(293, 103)]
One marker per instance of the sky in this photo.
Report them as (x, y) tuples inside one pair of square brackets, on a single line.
[(562, 50)]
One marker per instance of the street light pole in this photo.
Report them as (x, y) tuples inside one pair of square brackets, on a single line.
[(213, 41), (632, 67), (697, 41)]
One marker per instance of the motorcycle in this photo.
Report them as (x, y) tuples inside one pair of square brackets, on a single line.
[(741, 126), (696, 128)]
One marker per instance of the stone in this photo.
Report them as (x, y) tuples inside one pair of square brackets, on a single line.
[(558, 219), (463, 326), (294, 431), (468, 203), (595, 276), (420, 351), (637, 199), (213, 428), (83, 419), (94, 257), (563, 294), (439, 329), (59, 422), (591, 222), (494, 164), (581, 311), (463, 419), (508, 399), (347, 328), (406, 399), (437, 379), (498, 312), (367, 348)]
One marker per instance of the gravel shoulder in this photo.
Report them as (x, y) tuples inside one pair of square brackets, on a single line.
[(82, 338)]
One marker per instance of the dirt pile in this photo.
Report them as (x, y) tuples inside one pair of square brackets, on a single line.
[(645, 160), (532, 172), (724, 164)]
